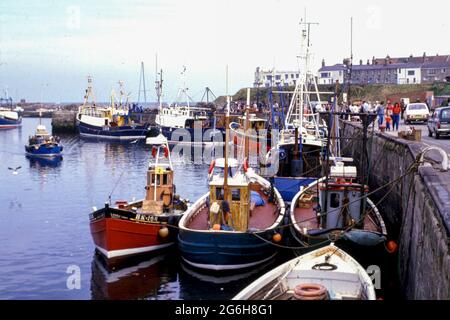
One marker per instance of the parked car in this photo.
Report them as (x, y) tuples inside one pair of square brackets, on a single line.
[(439, 122), (416, 112)]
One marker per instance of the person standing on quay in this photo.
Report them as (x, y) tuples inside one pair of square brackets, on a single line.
[(396, 116), (380, 113)]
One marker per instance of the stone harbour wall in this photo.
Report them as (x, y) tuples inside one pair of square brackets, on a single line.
[(416, 209)]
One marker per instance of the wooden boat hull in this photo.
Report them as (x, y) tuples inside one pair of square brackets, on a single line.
[(116, 235), (225, 250)]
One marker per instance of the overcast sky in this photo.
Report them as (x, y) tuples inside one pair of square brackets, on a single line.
[(47, 48)]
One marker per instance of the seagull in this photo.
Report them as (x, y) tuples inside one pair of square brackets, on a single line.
[(14, 170)]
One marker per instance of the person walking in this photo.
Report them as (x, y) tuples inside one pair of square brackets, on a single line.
[(380, 112), (396, 111)]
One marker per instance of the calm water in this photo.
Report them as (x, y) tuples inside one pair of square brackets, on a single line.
[(44, 225)]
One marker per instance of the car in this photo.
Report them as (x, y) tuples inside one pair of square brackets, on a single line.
[(415, 112), (439, 122)]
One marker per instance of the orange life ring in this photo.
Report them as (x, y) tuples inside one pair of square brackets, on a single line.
[(211, 166), (310, 291), (154, 150)]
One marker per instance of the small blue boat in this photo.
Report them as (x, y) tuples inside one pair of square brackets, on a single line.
[(42, 144)]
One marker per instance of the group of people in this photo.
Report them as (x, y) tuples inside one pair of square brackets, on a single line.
[(390, 114)]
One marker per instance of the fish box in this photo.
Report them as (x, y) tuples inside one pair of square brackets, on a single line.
[(151, 206)]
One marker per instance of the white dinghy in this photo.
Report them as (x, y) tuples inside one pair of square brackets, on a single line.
[(327, 273)]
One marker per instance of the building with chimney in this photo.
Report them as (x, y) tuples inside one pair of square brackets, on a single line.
[(403, 70)]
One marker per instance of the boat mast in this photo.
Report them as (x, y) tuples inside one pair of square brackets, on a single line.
[(247, 127), (227, 136), (158, 84)]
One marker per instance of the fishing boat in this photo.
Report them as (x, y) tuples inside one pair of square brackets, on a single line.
[(183, 123), (337, 207), (42, 144), (257, 132), (148, 225), (108, 122), (9, 117), (235, 224), (328, 273)]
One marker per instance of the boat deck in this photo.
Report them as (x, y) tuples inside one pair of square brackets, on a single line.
[(262, 217), (306, 218)]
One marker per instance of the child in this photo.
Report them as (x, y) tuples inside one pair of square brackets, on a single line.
[(388, 122)]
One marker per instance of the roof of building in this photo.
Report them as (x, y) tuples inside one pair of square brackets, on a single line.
[(336, 67)]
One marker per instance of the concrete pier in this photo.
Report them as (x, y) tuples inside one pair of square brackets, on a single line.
[(417, 210), (64, 121)]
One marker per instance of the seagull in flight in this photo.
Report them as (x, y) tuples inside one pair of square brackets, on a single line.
[(14, 170)]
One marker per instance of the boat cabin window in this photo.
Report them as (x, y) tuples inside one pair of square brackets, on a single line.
[(335, 200), (158, 179), (219, 193), (164, 179), (106, 122), (236, 194)]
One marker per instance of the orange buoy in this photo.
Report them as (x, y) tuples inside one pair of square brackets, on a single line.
[(163, 232), (216, 226), (310, 291), (391, 246), (276, 237)]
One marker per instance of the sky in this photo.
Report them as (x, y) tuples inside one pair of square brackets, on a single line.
[(48, 48)]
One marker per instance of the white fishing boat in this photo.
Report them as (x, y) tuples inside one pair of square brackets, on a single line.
[(182, 120), (328, 273), (108, 122)]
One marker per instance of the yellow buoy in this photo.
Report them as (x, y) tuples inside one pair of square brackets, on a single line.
[(163, 232)]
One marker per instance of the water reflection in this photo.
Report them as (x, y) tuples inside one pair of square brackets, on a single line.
[(143, 280), (38, 162)]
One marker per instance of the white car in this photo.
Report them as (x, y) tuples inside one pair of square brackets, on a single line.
[(416, 112)]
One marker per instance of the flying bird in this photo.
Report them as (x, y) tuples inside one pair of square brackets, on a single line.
[(14, 170)]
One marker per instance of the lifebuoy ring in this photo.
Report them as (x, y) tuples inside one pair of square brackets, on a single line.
[(310, 291), (211, 166), (245, 165), (154, 150), (166, 152)]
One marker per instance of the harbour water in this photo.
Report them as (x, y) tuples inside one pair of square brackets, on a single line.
[(46, 244), (44, 224)]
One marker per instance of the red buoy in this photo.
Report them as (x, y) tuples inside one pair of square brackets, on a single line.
[(391, 246)]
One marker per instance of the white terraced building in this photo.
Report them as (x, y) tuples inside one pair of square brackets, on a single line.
[(268, 78)]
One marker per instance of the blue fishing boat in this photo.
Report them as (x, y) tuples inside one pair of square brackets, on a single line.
[(42, 144), (235, 224), (9, 117), (108, 122)]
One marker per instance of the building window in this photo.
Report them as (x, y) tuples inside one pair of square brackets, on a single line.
[(399, 71), (432, 71), (292, 76), (297, 75), (277, 77), (269, 78), (286, 76), (411, 72), (324, 75), (443, 70)]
